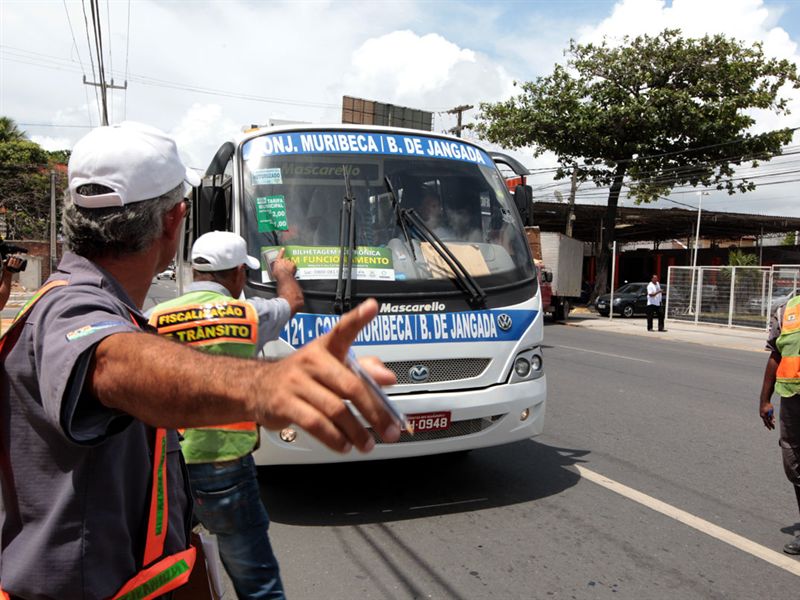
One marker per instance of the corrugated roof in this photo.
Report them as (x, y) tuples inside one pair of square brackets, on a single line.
[(653, 224)]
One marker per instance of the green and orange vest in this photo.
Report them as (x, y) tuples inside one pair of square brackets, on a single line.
[(160, 574), (218, 324), (787, 380)]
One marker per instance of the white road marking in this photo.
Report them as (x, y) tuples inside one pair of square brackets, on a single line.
[(737, 541), (447, 504), (605, 354)]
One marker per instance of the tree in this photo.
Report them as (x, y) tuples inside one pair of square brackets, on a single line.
[(9, 132), (25, 186), (653, 113)]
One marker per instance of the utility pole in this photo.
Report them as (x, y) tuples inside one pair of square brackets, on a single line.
[(104, 87), (573, 188), (458, 110), (53, 249)]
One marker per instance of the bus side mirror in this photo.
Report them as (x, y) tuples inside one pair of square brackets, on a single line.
[(523, 199), (212, 207)]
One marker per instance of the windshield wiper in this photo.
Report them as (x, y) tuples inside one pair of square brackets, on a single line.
[(342, 300), (477, 296), (408, 216), (401, 220)]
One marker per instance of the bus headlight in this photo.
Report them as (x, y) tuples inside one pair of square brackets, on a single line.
[(522, 367), (527, 365)]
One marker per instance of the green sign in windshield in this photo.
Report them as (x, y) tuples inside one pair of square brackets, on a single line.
[(322, 262)]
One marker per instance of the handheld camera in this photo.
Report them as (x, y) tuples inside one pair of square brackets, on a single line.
[(7, 249)]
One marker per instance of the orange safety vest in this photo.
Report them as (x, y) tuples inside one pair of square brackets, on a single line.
[(160, 574), (216, 324), (787, 377)]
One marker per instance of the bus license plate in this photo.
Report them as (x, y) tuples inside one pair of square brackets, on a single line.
[(434, 421)]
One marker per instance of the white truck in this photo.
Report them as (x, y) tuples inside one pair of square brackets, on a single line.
[(560, 259), (460, 317)]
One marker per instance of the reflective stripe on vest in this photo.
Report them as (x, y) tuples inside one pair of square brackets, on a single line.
[(206, 319), (170, 572), (787, 377), (216, 324)]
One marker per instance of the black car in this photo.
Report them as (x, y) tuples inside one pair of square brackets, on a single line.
[(629, 299)]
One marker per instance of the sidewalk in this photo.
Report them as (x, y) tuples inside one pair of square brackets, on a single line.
[(737, 338)]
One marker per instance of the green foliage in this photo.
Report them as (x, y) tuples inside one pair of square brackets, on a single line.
[(740, 258), (9, 132), (790, 239), (25, 187)]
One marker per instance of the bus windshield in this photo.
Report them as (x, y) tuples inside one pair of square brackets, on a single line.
[(295, 186)]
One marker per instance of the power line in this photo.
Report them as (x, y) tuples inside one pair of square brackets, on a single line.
[(108, 25), (89, 45), (127, 54), (37, 59), (55, 126), (98, 46), (664, 174), (77, 51)]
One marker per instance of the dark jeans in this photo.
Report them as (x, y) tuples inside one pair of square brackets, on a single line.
[(790, 441), (227, 503), (651, 310)]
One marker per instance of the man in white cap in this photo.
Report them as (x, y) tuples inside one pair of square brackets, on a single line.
[(211, 317), (95, 504)]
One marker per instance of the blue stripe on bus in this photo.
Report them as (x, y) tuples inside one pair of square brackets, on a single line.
[(429, 328), (362, 142)]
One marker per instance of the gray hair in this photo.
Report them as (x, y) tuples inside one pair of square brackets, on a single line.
[(117, 230)]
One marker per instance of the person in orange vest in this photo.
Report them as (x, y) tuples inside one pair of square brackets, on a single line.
[(221, 469), (94, 501), (782, 376)]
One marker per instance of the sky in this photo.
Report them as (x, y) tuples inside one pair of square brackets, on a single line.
[(202, 70)]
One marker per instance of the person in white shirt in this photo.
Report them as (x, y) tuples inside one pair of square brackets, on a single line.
[(654, 306)]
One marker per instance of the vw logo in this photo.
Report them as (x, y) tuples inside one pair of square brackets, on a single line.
[(419, 373), (504, 322)]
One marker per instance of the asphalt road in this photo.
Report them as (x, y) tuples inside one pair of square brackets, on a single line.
[(671, 420)]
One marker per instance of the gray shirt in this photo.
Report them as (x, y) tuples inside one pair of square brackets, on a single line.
[(273, 313), (775, 323), (76, 491)]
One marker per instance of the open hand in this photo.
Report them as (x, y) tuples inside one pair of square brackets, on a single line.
[(308, 389)]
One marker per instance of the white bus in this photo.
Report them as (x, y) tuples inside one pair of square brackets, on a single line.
[(422, 222)]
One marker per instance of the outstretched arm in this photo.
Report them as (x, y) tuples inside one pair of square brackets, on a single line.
[(176, 386), (765, 408)]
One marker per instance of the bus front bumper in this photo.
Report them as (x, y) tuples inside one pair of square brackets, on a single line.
[(492, 416)]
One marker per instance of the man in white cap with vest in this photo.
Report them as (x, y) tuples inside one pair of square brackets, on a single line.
[(211, 317), (94, 502)]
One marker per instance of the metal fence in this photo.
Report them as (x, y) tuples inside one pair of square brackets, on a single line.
[(732, 296)]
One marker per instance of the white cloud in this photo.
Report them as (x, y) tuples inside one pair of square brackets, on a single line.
[(405, 65), (52, 143), (200, 132), (424, 71)]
